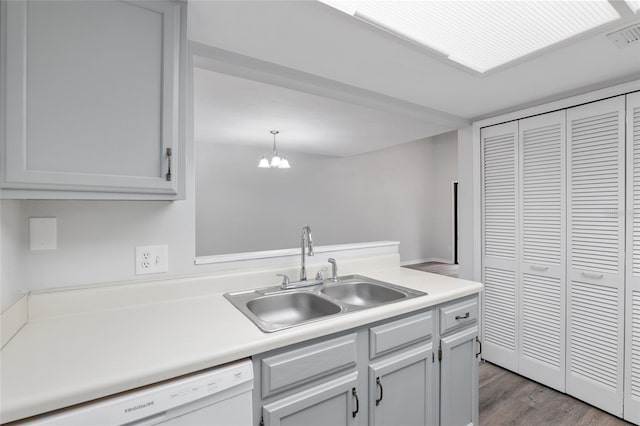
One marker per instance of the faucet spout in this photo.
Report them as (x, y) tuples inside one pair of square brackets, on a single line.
[(307, 242)]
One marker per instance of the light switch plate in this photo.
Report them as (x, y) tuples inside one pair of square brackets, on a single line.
[(152, 259), (43, 233)]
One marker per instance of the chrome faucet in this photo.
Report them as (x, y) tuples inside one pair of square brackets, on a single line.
[(334, 269), (306, 241)]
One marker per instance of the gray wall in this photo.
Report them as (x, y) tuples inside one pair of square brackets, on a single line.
[(465, 203), (445, 173), (13, 249), (97, 239), (381, 195)]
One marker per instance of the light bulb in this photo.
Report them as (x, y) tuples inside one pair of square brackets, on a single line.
[(275, 161), (264, 163), (284, 164)]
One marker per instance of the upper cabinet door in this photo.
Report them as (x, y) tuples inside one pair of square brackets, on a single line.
[(92, 98), (499, 152), (596, 231), (632, 341)]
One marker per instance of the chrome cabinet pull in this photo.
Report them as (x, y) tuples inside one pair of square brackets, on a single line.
[(592, 275), (480, 345), (539, 268), (379, 384), (465, 316), (355, 394), (169, 154)]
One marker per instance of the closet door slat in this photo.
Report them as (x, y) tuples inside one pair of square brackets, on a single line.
[(632, 336), (596, 247), (542, 168), (500, 243)]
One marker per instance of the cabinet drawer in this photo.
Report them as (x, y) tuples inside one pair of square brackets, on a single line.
[(458, 314), (390, 336), (299, 366)]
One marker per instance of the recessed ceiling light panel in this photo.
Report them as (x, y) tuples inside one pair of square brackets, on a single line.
[(482, 35)]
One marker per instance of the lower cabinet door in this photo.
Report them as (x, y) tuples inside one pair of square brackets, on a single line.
[(459, 379), (333, 403), (402, 389)]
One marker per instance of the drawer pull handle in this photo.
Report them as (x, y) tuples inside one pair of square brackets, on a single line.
[(465, 316), (379, 384), (539, 268), (355, 394), (592, 275), (480, 345)]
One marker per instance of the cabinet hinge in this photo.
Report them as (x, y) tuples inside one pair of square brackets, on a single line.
[(169, 154), (261, 421), (440, 353)]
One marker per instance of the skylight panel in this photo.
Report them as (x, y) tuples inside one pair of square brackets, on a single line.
[(482, 35)]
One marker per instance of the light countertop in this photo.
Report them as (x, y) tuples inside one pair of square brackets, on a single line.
[(60, 360)]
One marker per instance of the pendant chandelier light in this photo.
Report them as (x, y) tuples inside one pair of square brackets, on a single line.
[(276, 162)]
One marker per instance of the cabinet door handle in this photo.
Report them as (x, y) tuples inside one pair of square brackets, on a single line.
[(355, 394), (539, 268), (465, 316), (169, 155), (592, 275), (379, 384), (480, 345)]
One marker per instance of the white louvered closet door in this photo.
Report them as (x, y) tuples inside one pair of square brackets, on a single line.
[(499, 243), (632, 351), (596, 195), (542, 315)]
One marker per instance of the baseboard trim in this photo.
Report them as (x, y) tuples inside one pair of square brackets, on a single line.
[(426, 259), (440, 260)]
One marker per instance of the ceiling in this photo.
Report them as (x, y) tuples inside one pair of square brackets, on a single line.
[(414, 91), (235, 110)]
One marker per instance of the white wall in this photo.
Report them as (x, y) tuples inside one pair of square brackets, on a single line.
[(381, 195), (97, 239), (13, 247), (444, 174), (465, 203)]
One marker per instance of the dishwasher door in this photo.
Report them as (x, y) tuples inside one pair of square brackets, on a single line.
[(219, 396), (231, 411)]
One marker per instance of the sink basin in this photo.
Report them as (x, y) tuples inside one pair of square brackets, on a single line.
[(274, 308), (291, 308), (362, 293)]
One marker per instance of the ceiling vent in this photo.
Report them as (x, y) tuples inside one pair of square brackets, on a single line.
[(626, 36)]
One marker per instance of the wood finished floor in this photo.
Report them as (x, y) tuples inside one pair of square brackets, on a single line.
[(507, 398)]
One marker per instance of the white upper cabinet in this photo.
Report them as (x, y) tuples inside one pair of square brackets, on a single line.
[(500, 249), (542, 266), (632, 346), (92, 99), (596, 195)]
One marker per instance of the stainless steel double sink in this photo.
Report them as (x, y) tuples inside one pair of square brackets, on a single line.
[(274, 308)]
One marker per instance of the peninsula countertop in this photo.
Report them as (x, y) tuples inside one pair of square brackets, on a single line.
[(62, 357)]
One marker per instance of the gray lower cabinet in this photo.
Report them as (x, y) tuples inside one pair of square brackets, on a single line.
[(417, 369), (332, 403), (401, 389), (459, 378), (458, 354)]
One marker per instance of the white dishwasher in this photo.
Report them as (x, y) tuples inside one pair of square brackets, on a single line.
[(216, 397)]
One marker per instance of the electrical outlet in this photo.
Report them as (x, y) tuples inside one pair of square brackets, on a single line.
[(152, 259)]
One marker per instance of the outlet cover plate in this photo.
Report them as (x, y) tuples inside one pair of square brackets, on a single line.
[(152, 259)]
